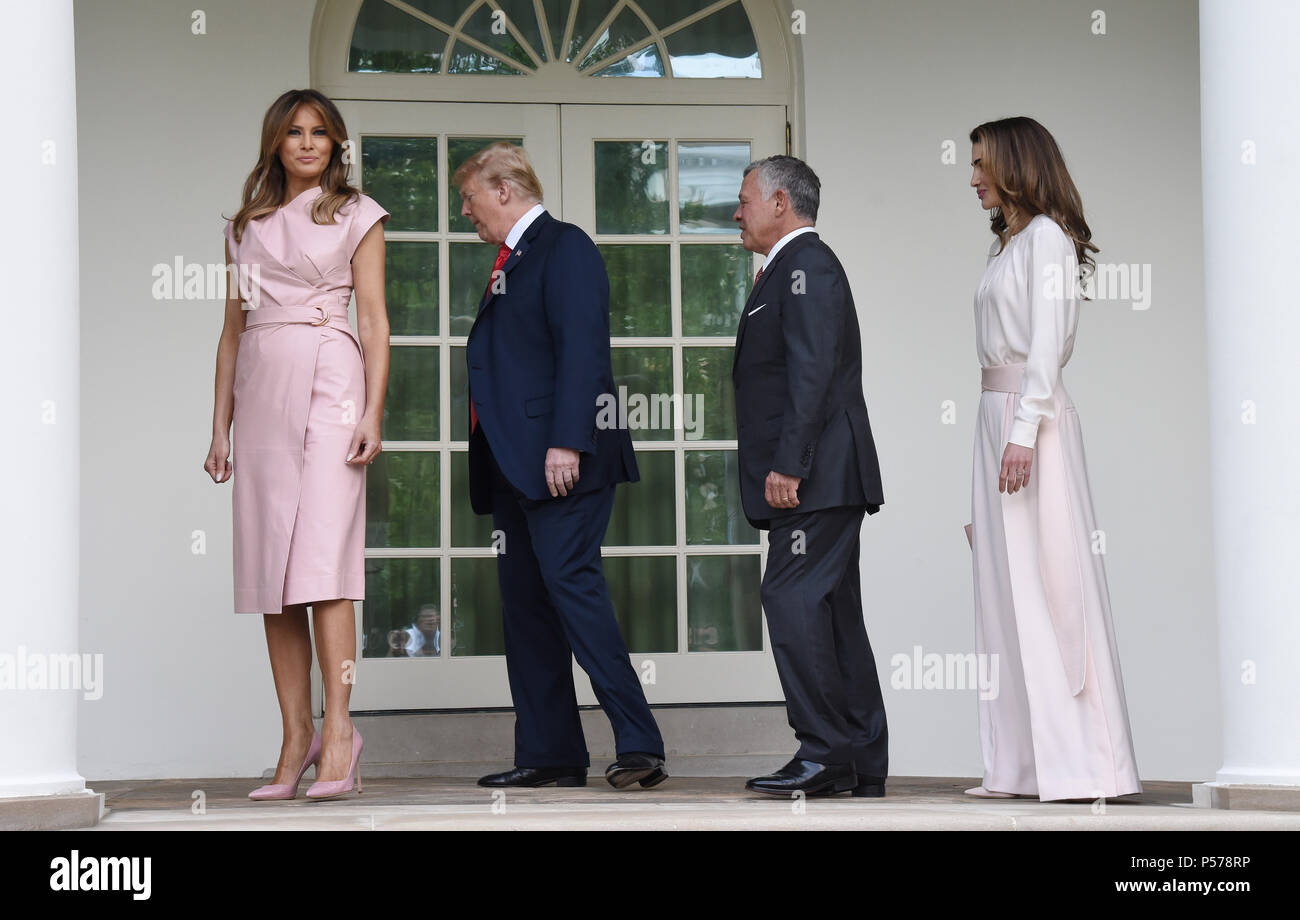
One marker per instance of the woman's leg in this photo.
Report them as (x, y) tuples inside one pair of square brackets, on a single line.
[(336, 649), (288, 642)]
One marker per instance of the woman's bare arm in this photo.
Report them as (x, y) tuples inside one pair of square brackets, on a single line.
[(372, 317), (223, 400)]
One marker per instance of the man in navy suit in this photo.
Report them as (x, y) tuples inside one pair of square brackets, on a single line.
[(808, 474), (539, 365)]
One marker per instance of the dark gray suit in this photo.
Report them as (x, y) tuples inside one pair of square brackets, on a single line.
[(800, 411)]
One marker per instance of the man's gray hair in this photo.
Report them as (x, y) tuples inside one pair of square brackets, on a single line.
[(794, 177)]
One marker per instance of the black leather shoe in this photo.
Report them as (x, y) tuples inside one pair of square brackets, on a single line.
[(636, 767), (869, 787), (537, 776), (806, 776)]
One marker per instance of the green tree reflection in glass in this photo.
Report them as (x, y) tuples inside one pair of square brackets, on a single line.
[(724, 612), (639, 288), (715, 284), (714, 515), (644, 592), (631, 186), (401, 173)]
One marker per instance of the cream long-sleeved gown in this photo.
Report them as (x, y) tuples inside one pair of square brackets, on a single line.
[(1058, 725)]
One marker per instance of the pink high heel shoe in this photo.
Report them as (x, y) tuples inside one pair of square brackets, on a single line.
[(337, 787), (290, 790)]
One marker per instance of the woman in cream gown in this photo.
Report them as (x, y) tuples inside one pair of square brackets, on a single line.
[(1058, 726)]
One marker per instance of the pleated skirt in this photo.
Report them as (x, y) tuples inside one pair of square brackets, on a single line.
[(1042, 733)]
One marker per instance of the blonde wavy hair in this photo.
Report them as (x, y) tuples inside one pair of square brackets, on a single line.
[(501, 162)]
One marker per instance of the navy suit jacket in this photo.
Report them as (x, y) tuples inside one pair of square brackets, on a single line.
[(539, 359), (800, 409)]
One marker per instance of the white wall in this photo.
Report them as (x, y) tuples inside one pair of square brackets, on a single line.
[(168, 128), (168, 125)]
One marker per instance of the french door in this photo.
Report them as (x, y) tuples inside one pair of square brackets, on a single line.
[(655, 186)]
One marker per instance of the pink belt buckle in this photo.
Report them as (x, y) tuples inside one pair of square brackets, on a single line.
[(324, 316)]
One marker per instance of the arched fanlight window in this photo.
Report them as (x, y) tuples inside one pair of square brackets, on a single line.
[(600, 38)]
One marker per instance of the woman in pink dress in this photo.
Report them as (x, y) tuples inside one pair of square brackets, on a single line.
[(306, 397), (1057, 727)]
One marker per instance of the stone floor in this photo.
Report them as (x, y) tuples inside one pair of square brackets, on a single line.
[(681, 803)]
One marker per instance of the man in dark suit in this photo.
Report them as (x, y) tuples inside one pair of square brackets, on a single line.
[(808, 474), (539, 360)]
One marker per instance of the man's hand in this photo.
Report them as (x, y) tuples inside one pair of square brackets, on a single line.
[(561, 470), (781, 491)]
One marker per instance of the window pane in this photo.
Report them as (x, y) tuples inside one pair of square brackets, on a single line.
[(459, 394), (476, 608), (468, 274), (400, 615), (715, 284), (644, 511), (460, 149), (401, 173), (591, 13), (402, 499), (625, 31), (644, 591), (386, 40), (713, 510), (523, 17), (643, 63), (665, 13), (724, 611), (468, 59), (631, 187), (640, 301), (706, 372), (467, 528), (557, 15), (646, 372), (411, 288), (481, 27), (445, 11), (708, 186), (721, 45), (411, 407)]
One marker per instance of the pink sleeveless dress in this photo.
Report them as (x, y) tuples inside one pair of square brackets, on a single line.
[(299, 508)]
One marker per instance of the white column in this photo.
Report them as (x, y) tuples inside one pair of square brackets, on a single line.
[(1250, 149), (39, 386)]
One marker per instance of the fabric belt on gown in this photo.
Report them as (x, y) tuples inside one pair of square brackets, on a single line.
[(325, 310), (1058, 559)]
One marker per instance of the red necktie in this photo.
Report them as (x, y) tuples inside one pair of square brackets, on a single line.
[(758, 276), (502, 254)]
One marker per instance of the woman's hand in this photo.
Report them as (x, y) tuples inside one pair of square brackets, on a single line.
[(218, 464), (1016, 461), (365, 442)]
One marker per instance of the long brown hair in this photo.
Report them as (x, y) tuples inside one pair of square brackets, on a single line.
[(1024, 164), (265, 186)]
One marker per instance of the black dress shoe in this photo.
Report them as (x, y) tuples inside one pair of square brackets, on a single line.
[(636, 767), (537, 776), (806, 776), (869, 787)]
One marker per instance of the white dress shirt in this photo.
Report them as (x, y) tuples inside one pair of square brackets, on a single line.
[(1027, 312), (782, 241), (522, 224)]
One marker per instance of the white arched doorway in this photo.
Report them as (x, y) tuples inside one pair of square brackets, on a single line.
[(639, 117)]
